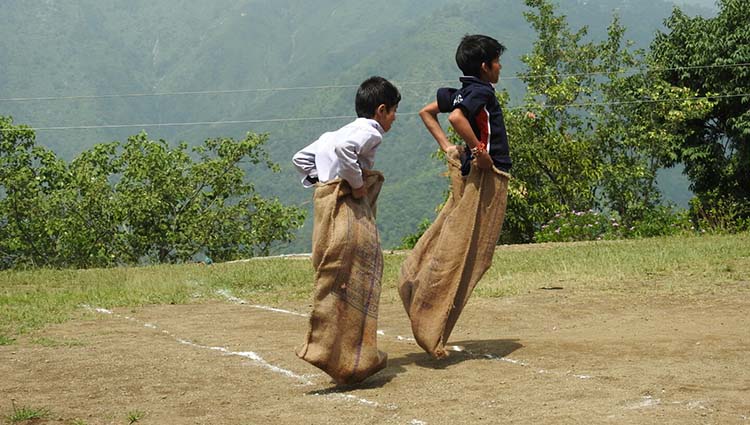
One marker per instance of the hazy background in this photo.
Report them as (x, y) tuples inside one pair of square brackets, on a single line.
[(119, 68)]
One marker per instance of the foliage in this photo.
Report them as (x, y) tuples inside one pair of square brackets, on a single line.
[(574, 226), (136, 202), (555, 162), (712, 212), (591, 225), (638, 127), (30, 176), (709, 56), (52, 49), (135, 416), (591, 135), (410, 240)]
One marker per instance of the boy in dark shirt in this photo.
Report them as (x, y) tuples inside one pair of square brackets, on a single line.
[(475, 113), (442, 270)]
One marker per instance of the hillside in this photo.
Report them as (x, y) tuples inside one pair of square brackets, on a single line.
[(238, 49)]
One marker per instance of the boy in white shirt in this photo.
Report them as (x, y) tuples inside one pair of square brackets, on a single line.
[(346, 254), (345, 152)]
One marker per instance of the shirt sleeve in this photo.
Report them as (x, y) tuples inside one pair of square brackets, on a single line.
[(304, 162), (445, 98), (472, 101)]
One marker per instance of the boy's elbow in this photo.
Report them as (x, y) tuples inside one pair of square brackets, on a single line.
[(456, 116), (426, 116), (302, 162), (297, 160)]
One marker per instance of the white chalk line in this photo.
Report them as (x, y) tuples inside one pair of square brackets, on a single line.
[(460, 349), (646, 402), (649, 401), (227, 294), (255, 358), (230, 297)]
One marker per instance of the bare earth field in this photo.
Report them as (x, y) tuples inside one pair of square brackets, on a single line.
[(547, 357)]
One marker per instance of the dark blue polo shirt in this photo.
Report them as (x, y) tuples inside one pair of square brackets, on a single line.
[(478, 102)]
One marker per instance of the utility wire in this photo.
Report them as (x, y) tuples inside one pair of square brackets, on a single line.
[(348, 86), (278, 120), (632, 102), (182, 93)]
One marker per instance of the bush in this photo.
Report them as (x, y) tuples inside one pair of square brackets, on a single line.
[(591, 225), (714, 214), (409, 241), (574, 226), (142, 201)]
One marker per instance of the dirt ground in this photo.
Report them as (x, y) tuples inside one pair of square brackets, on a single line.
[(548, 357)]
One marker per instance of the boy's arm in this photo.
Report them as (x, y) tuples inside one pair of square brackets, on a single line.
[(429, 115), (304, 162), (462, 126)]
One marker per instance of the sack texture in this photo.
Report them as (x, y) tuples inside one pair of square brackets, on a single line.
[(348, 263), (445, 265)]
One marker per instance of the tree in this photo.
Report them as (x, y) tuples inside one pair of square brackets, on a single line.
[(710, 56), (555, 161), (638, 124), (29, 176), (596, 127), (135, 202)]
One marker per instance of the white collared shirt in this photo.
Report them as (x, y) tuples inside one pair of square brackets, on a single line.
[(342, 153)]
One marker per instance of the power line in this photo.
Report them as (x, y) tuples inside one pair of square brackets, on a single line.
[(348, 86), (280, 120), (196, 123), (621, 71), (183, 93), (633, 102)]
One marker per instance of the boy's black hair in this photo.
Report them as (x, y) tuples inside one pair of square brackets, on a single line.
[(474, 50), (373, 92)]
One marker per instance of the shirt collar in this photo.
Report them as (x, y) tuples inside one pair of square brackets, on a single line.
[(371, 123), (470, 79)]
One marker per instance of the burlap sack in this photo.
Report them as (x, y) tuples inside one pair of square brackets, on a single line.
[(348, 262), (442, 270)]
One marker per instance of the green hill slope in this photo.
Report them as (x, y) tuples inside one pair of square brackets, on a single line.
[(238, 50)]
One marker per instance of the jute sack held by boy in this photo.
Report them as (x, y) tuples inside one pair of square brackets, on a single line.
[(346, 253), (440, 273)]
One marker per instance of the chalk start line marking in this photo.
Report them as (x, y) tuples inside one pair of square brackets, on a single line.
[(255, 358), (227, 294)]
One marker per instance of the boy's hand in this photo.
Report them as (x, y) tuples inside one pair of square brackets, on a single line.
[(484, 160), (359, 192)]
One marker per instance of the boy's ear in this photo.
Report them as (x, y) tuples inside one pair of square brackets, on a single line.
[(381, 109)]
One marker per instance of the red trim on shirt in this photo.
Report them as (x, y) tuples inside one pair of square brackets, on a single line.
[(483, 123)]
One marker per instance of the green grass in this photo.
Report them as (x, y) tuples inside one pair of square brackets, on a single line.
[(52, 343), (135, 416), (26, 414), (685, 265), (675, 265)]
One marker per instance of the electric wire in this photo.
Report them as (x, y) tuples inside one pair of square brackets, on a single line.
[(299, 119), (350, 86)]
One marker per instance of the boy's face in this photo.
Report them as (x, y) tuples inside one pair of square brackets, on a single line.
[(385, 117), (491, 71)]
